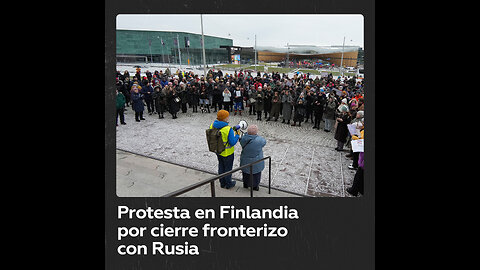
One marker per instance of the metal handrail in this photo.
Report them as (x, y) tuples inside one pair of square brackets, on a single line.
[(211, 180)]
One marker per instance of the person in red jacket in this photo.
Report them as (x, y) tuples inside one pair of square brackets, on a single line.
[(257, 84)]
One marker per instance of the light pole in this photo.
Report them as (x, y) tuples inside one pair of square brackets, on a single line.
[(179, 53), (150, 46), (203, 50), (287, 64), (341, 61), (161, 43), (174, 51), (255, 52)]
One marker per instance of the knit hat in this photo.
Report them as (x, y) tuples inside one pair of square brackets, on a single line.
[(222, 115)]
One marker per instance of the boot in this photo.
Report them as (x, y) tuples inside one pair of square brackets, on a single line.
[(235, 113), (288, 122), (240, 113), (283, 121), (292, 124), (268, 119)]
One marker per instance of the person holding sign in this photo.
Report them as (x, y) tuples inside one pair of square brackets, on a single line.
[(357, 185), (354, 128), (238, 99)]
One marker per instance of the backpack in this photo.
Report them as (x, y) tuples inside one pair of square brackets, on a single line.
[(215, 141)]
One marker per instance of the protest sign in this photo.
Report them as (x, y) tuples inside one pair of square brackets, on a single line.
[(352, 128), (357, 145)]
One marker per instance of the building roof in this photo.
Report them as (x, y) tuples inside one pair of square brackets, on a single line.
[(308, 49)]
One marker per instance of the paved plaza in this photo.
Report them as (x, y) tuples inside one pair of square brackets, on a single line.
[(304, 160)]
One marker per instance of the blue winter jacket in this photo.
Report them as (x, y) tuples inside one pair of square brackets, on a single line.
[(232, 138), (137, 102), (147, 92), (252, 150)]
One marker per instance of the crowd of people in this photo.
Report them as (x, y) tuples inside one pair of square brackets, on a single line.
[(293, 100), (307, 63)]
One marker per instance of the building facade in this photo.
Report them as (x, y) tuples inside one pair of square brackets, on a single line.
[(170, 47), (348, 56)]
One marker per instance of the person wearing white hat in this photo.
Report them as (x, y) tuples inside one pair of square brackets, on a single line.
[(341, 131), (259, 96)]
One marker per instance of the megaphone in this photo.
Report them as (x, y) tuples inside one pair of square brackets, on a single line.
[(242, 126)]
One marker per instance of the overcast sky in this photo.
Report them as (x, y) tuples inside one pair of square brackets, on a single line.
[(271, 30)]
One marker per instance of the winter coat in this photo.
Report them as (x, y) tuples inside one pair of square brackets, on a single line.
[(183, 94), (120, 101), (226, 96), (259, 96), (299, 112), (209, 90), (159, 99), (309, 102), (147, 92), (236, 98), (217, 95), (287, 106), (329, 112), (318, 105), (268, 101), (195, 96), (126, 90), (173, 105), (341, 132), (163, 83), (137, 102), (252, 150), (275, 106)]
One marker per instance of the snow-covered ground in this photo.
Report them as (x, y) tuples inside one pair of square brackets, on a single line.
[(303, 159)]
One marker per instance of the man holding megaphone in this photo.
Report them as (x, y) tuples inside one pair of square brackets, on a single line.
[(227, 138)]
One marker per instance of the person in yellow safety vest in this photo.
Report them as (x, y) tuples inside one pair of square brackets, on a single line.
[(225, 159)]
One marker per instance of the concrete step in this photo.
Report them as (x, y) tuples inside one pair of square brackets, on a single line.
[(140, 176)]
